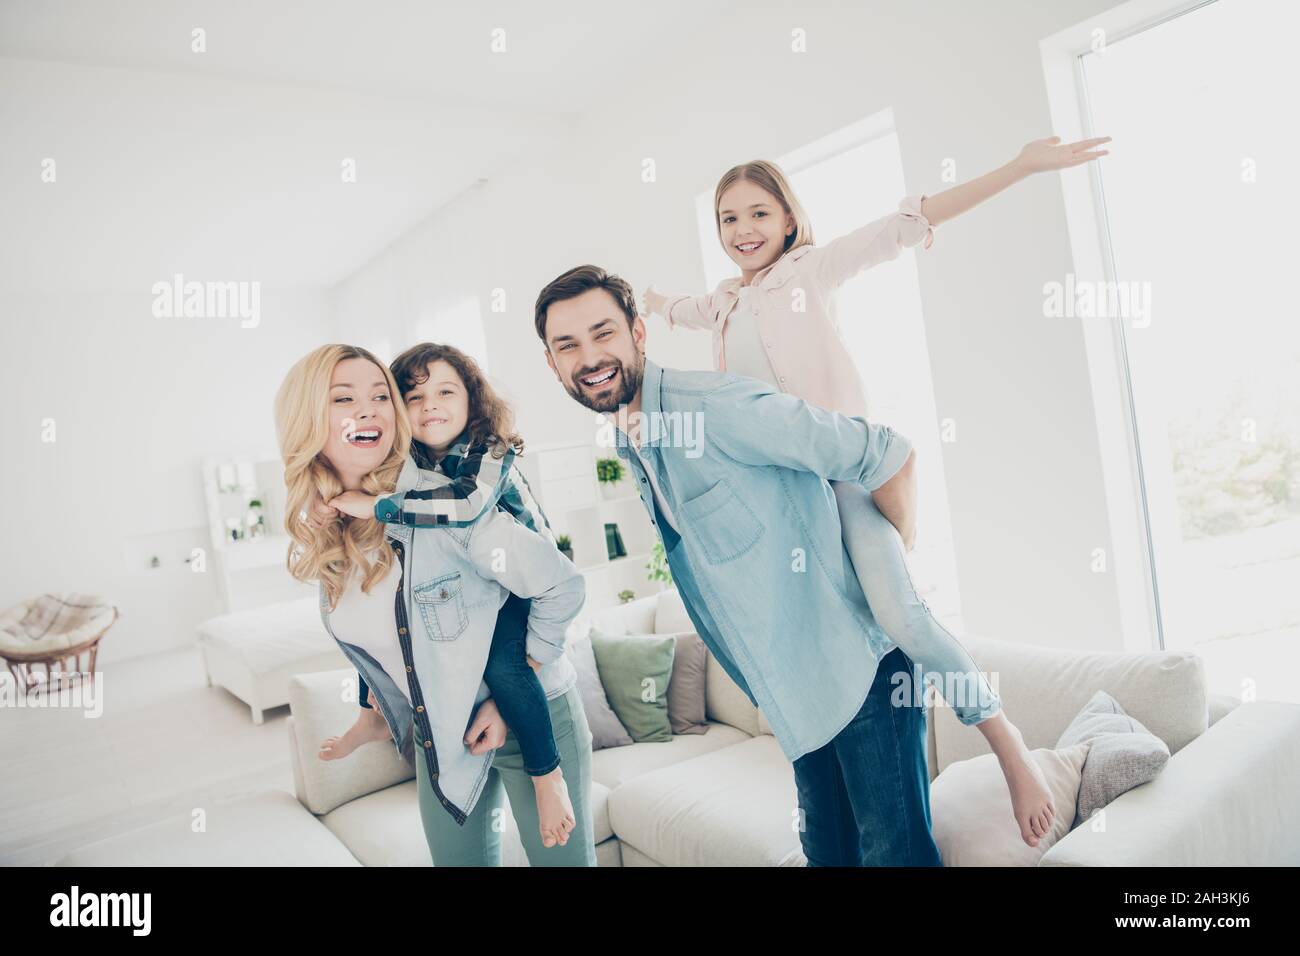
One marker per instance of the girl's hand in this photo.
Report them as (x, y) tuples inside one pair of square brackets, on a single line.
[(1043, 155), (320, 514), (652, 301), (487, 731), (537, 668), (357, 504)]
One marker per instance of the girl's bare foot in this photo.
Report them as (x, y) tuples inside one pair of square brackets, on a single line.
[(370, 726), (1031, 800), (554, 811)]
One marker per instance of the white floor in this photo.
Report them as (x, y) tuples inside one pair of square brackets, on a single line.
[(164, 744)]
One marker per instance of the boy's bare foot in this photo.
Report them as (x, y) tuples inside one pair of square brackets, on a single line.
[(370, 726), (554, 811), (1031, 800)]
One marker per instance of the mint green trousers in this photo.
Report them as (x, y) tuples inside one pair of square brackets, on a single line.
[(478, 842)]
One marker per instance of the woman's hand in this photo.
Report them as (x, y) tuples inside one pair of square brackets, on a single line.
[(1043, 155), (652, 301), (487, 731), (357, 504), (537, 667)]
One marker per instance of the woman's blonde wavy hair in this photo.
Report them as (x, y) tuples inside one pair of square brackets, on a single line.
[(302, 415), (770, 177)]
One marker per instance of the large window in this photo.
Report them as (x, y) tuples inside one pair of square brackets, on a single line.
[(844, 181), (1195, 207)]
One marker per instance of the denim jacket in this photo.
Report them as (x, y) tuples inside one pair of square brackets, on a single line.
[(760, 563), (453, 583)]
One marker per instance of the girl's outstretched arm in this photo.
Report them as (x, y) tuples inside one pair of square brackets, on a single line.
[(690, 311), (1041, 155)]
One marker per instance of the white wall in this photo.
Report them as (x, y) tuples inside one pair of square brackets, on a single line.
[(965, 83), (137, 403)]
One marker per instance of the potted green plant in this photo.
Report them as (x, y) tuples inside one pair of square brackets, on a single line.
[(565, 544), (658, 566), (609, 473), (625, 596)]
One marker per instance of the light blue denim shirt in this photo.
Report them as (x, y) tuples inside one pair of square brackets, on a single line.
[(760, 563), (454, 581)]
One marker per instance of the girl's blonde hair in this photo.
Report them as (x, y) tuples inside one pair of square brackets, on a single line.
[(768, 176), (302, 423)]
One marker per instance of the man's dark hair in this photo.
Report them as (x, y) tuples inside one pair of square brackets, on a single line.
[(578, 280)]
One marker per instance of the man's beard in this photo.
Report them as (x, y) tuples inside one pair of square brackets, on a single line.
[(630, 376)]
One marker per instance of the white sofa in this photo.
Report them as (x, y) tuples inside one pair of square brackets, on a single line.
[(727, 797)]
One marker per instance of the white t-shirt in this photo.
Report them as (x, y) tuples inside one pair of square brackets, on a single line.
[(654, 487), (369, 621), (745, 351)]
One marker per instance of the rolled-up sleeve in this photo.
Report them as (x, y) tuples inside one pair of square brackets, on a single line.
[(528, 565), (754, 424), (689, 311), (876, 242)]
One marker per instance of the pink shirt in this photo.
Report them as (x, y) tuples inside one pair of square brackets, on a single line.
[(793, 308)]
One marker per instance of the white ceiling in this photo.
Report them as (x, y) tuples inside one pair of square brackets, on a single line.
[(226, 164)]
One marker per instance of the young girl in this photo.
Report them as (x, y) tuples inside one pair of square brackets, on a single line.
[(777, 322), (464, 447)]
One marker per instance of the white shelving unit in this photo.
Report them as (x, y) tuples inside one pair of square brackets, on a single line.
[(250, 570), (562, 478)]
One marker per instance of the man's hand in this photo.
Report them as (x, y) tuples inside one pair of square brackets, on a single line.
[(358, 504), (896, 500), (487, 731)]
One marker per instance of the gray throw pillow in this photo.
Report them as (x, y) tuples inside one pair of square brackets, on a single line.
[(1123, 755), (686, 686), (606, 729)]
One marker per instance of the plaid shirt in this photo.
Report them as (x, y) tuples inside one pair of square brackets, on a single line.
[(466, 482)]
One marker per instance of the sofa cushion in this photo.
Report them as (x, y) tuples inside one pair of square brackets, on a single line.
[(634, 670), (688, 687), (670, 613), (269, 828), (1123, 753), (606, 731), (382, 828), (322, 706), (726, 702), (734, 807), (385, 829), (1043, 688), (617, 765), (970, 806)]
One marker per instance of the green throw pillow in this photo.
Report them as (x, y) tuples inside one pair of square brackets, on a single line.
[(635, 669)]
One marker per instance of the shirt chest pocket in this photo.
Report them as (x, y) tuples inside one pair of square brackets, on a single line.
[(442, 605), (723, 525)]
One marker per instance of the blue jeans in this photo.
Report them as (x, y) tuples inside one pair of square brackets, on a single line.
[(515, 688), (865, 796), (879, 561), (518, 691)]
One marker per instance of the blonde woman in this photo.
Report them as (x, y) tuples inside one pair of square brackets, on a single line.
[(414, 610)]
